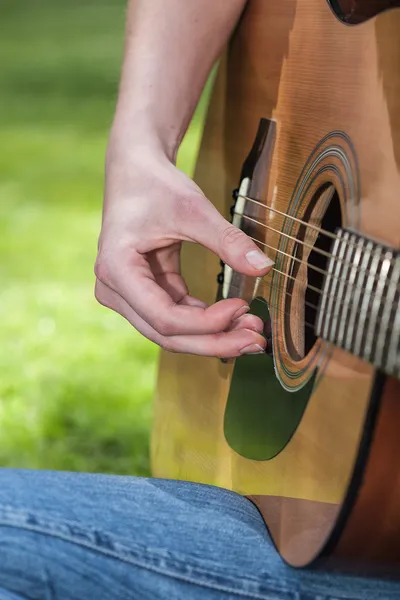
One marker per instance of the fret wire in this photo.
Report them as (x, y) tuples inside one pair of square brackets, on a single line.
[(390, 299), (287, 313), (348, 293), (376, 300), (318, 250), (337, 304), (363, 248), (347, 255), (393, 360), (309, 286), (367, 296)]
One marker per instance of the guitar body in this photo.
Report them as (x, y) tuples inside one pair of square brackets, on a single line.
[(310, 433)]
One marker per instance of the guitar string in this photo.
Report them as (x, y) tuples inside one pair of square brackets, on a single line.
[(291, 237), (287, 216), (275, 307), (283, 312), (263, 285), (318, 250), (302, 262), (331, 275), (308, 286), (308, 225), (338, 304)]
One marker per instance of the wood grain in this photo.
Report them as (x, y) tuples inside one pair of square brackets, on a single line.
[(293, 61)]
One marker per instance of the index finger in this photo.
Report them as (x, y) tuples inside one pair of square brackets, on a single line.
[(136, 284)]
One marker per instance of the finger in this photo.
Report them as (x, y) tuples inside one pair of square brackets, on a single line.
[(231, 244), (175, 286), (229, 344), (165, 260), (191, 301), (248, 322), (136, 284), (224, 345), (112, 300), (165, 264)]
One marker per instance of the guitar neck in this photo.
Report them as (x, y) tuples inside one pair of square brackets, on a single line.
[(360, 303)]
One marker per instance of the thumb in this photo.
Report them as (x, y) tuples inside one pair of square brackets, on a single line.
[(232, 245)]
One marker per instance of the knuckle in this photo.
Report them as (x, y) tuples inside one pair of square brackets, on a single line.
[(166, 344), (163, 327), (219, 351), (231, 236), (190, 205), (101, 296), (101, 270), (188, 210)]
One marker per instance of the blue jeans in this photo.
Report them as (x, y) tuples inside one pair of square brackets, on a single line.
[(98, 537)]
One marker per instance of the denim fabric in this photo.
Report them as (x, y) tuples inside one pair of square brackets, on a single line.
[(66, 536)]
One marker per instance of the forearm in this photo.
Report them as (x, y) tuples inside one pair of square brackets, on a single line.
[(170, 48), (150, 206)]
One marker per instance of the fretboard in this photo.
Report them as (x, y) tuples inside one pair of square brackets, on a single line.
[(359, 309)]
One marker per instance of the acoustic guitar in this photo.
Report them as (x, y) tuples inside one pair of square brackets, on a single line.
[(304, 125)]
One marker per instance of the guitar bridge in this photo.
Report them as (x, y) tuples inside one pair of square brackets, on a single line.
[(248, 215)]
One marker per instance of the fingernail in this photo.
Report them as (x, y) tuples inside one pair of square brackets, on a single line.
[(252, 349), (240, 312), (258, 259)]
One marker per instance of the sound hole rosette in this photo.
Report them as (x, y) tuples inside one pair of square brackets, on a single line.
[(332, 164)]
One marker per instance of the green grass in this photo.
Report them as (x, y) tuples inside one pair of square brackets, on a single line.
[(76, 380)]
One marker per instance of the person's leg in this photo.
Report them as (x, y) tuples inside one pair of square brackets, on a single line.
[(67, 536)]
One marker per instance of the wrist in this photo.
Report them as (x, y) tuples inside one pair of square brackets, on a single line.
[(135, 135)]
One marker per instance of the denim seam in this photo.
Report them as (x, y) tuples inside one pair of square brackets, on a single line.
[(161, 563)]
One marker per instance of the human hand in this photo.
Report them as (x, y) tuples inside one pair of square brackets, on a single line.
[(150, 207)]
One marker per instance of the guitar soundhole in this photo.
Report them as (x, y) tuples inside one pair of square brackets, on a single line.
[(300, 333), (353, 12), (330, 222)]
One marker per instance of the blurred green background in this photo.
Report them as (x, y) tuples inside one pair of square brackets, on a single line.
[(76, 380)]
